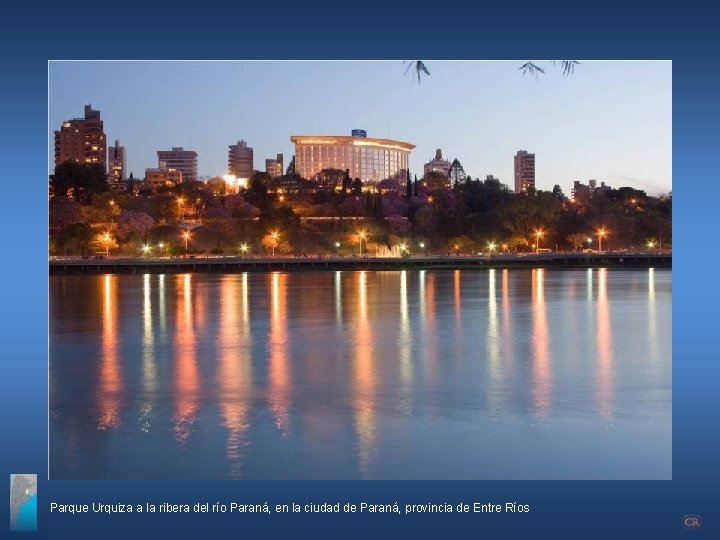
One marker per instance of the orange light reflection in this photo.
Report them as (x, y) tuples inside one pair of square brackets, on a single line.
[(235, 373), (149, 368), (186, 377), (279, 391), (111, 385), (605, 386), (364, 381), (542, 383)]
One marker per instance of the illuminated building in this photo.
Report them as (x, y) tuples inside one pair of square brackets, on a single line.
[(274, 167), (162, 177), (524, 172), (240, 160), (82, 140), (117, 162), (371, 160), (437, 165), (183, 160)]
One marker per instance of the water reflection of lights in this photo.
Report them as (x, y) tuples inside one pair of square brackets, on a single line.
[(111, 385), (605, 389), (279, 375), (492, 341), (364, 381), (459, 353), (186, 377), (428, 332), (338, 299), (405, 344), (507, 331), (235, 370), (161, 306), (542, 379), (652, 318), (456, 299), (149, 368)]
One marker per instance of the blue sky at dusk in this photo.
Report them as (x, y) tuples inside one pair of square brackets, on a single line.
[(610, 121)]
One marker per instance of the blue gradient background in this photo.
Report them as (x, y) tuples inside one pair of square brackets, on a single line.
[(30, 36)]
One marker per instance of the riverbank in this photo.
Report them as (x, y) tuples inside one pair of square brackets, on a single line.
[(244, 264)]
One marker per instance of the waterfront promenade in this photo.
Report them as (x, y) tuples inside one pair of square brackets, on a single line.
[(231, 264)]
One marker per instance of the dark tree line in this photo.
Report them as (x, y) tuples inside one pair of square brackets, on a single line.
[(82, 180)]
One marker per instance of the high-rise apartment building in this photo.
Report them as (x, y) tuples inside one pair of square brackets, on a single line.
[(524, 171), (274, 167), (117, 164), (240, 160), (183, 160), (82, 140)]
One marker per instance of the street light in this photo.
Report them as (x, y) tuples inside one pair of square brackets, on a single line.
[(601, 234), (403, 248), (337, 248), (492, 246), (505, 248), (539, 234), (186, 236), (106, 239), (650, 244), (161, 245), (111, 202), (361, 236), (243, 248), (422, 246), (275, 241), (146, 249)]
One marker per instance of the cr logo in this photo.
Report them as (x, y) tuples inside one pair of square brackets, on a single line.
[(692, 522)]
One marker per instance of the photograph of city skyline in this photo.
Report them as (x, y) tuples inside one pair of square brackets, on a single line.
[(360, 269)]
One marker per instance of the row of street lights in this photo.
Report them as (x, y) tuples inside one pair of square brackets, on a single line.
[(601, 233), (363, 235)]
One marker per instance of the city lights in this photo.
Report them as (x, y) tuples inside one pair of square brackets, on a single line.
[(106, 240), (362, 235), (275, 237), (186, 236), (601, 233), (538, 234)]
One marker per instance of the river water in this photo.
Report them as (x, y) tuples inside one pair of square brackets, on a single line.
[(472, 374)]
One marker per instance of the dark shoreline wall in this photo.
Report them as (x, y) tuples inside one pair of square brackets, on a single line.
[(238, 264)]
